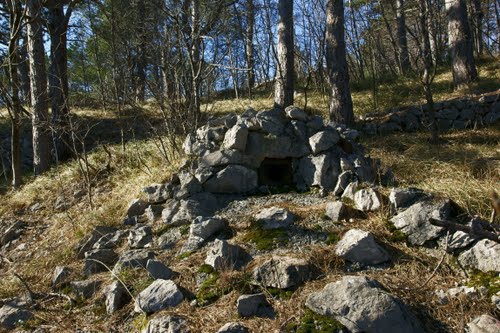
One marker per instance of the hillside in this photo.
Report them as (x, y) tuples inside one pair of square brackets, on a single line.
[(59, 210)]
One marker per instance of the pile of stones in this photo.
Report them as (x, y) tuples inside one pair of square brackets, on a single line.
[(456, 114), (232, 158)]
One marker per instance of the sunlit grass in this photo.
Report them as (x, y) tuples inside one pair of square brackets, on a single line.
[(390, 93)]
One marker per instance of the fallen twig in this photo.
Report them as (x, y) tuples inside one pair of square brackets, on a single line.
[(476, 231)]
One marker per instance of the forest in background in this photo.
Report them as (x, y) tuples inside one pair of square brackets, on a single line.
[(177, 56)]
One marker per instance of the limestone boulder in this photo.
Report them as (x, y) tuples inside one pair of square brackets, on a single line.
[(324, 140), (360, 246), (336, 211), (116, 296), (222, 255), (167, 324), (161, 294), (483, 256), (414, 221), (367, 200), (282, 272), (484, 324), (233, 328), (362, 305), (274, 218), (14, 313), (232, 179), (236, 138)]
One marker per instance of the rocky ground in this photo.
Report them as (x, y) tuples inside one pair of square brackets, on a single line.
[(344, 254)]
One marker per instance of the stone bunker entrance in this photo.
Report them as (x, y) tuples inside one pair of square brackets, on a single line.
[(276, 172)]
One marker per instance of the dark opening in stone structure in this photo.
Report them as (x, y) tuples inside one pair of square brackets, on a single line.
[(276, 172)]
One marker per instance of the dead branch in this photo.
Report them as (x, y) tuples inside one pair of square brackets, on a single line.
[(476, 231)]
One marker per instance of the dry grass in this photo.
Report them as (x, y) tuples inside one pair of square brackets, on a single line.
[(391, 93), (463, 168)]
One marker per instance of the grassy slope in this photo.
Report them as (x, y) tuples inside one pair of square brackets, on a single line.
[(464, 168)]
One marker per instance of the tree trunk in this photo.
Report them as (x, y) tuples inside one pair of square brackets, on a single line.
[(141, 56), (249, 49), (38, 81), (24, 69), (58, 79), (497, 18), (195, 102), (433, 37), (336, 64), (477, 14), (404, 58), (460, 43), (428, 73), (284, 85), (15, 21)]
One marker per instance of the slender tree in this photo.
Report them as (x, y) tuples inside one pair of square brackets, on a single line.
[(16, 13), (249, 49), (336, 64), (284, 85), (404, 58), (38, 81), (460, 43), (57, 23), (478, 16), (429, 67)]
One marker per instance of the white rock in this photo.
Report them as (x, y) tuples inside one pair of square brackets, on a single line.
[(360, 246), (161, 294), (362, 305), (367, 200), (485, 256)]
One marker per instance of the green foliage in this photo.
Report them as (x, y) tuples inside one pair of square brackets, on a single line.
[(314, 323), (280, 293), (206, 269), (266, 240), (184, 255), (489, 280), (332, 238), (184, 230), (209, 290), (396, 235)]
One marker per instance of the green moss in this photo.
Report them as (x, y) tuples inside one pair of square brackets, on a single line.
[(140, 322), (266, 240), (347, 201), (184, 230), (314, 323), (184, 255), (332, 238), (280, 293), (396, 235), (489, 280), (211, 290), (205, 268), (163, 229)]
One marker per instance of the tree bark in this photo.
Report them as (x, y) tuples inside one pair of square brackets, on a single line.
[(195, 102), (336, 63), (38, 81), (141, 56), (58, 79), (477, 14), (284, 85), (24, 69), (249, 49), (460, 43), (404, 58), (15, 22), (428, 73)]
